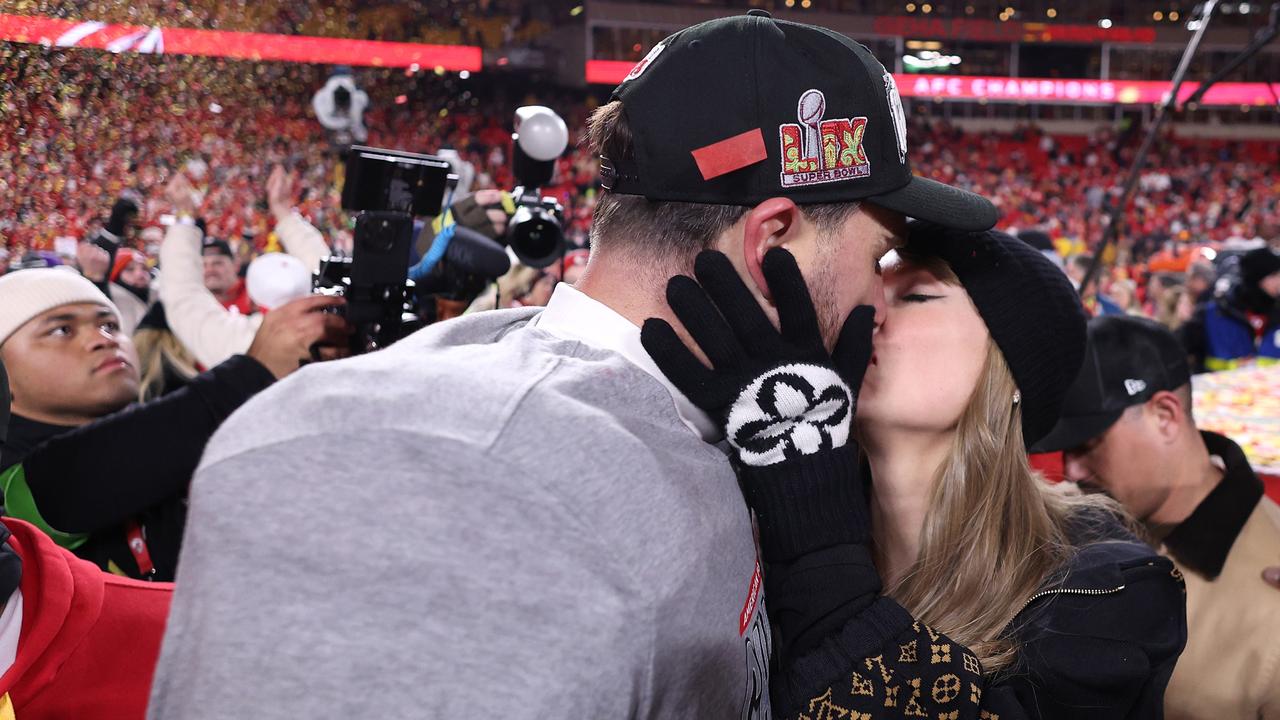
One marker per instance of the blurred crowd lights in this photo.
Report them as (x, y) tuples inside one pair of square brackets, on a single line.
[(1172, 15)]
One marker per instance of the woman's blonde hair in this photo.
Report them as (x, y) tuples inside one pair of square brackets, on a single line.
[(157, 348), (995, 531)]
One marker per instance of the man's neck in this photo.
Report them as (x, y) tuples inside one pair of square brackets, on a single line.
[(903, 468), (1193, 476), (619, 290)]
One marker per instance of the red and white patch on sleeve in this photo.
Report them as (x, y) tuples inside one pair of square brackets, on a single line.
[(753, 596)]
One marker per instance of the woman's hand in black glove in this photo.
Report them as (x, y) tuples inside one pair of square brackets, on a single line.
[(786, 405)]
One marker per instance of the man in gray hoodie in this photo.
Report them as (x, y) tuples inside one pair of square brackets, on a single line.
[(515, 514)]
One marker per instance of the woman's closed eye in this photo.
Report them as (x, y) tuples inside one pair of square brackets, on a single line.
[(917, 297)]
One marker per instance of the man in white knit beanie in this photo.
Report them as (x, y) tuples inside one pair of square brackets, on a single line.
[(70, 462), (56, 324)]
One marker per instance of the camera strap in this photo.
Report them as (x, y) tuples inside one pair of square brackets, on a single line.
[(138, 546)]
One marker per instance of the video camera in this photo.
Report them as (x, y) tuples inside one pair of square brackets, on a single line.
[(387, 188)]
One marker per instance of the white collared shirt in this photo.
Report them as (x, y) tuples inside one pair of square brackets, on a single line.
[(573, 315)]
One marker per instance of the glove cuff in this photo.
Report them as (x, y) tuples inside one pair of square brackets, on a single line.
[(808, 503)]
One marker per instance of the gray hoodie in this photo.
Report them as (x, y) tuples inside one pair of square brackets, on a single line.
[(484, 520)]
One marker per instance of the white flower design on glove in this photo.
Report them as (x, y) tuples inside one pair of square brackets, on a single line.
[(791, 410)]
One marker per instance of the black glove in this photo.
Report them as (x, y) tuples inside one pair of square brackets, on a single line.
[(786, 406)]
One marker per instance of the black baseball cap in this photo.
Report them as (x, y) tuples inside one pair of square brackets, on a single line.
[(219, 247), (736, 110), (1127, 361)]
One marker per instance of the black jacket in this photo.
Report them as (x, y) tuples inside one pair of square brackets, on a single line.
[(1099, 641), (133, 465)]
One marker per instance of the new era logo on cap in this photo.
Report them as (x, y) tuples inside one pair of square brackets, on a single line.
[(1129, 361)]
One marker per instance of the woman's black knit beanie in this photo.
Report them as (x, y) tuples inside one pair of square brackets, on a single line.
[(1029, 306)]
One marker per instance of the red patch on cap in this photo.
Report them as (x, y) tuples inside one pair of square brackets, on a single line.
[(730, 154)]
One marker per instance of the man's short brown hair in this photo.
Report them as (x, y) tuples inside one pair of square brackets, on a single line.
[(663, 228)]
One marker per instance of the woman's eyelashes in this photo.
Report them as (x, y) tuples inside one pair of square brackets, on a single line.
[(918, 297)]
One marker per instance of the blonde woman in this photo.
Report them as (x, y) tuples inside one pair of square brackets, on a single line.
[(165, 364), (961, 585)]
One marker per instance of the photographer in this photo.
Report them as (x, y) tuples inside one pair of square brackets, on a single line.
[(195, 314), (1242, 326), (81, 643), (103, 478), (463, 574)]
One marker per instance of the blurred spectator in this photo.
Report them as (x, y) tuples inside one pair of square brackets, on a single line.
[(130, 287), (1242, 325), (165, 364), (575, 264), (1077, 267), (1175, 308), (1123, 296), (195, 315), (71, 462), (1201, 276), (1128, 430), (222, 276)]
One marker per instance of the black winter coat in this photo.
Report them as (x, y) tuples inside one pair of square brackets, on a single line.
[(130, 466), (1099, 641)]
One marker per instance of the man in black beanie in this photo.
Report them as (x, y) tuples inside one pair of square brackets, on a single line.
[(1243, 326)]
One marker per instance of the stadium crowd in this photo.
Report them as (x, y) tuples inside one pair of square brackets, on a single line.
[(154, 209)]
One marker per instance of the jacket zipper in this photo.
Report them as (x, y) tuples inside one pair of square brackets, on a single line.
[(1066, 591)]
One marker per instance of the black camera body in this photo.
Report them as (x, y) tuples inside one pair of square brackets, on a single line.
[(535, 233), (387, 188)]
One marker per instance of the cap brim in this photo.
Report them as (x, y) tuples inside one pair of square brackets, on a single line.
[(925, 199), (1075, 431)]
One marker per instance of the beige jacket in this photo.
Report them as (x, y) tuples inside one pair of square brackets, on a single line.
[(1231, 665), (211, 332)]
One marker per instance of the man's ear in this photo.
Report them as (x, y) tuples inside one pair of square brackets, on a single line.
[(770, 224), (1169, 415)]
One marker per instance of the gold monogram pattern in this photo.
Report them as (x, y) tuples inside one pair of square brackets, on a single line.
[(941, 653), (907, 652), (906, 687)]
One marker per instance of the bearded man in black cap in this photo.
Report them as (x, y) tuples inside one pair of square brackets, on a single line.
[(1127, 429), (466, 576)]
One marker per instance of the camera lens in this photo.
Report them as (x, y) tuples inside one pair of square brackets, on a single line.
[(535, 237)]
